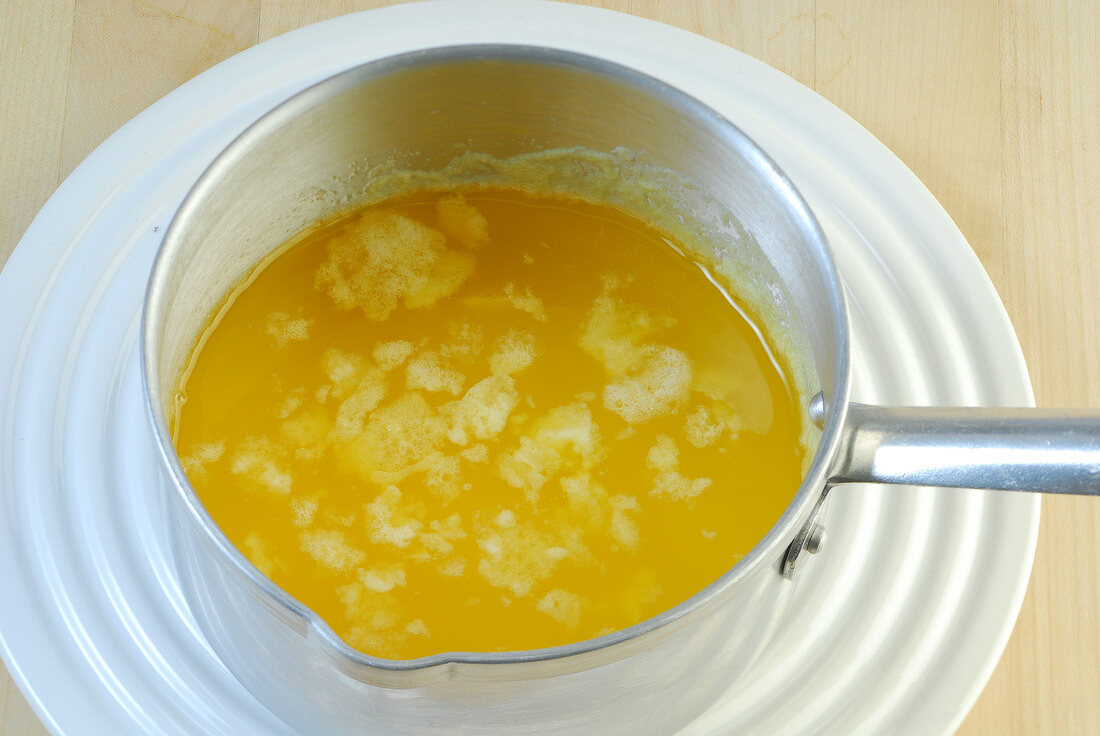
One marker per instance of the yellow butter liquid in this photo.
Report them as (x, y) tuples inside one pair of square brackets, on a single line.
[(487, 421)]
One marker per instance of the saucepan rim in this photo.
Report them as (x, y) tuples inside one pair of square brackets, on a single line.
[(768, 551)]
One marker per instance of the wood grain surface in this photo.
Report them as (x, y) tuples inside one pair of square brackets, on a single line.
[(995, 106)]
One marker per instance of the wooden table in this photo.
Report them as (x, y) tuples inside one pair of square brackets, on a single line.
[(995, 106)]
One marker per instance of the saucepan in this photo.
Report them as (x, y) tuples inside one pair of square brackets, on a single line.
[(329, 145)]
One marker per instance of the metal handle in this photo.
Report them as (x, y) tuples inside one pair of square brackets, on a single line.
[(1038, 450)]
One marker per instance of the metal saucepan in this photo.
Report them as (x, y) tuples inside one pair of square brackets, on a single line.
[(312, 154)]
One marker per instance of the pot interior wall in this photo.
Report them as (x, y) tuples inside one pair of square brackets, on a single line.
[(347, 140)]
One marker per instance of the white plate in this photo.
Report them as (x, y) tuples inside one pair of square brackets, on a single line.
[(898, 622)]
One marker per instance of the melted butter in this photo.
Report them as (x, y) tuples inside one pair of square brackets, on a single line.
[(487, 421)]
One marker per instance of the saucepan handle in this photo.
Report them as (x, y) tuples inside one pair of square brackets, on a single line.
[(1038, 450)]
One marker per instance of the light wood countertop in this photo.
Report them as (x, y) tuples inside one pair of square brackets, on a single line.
[(995, 106)]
